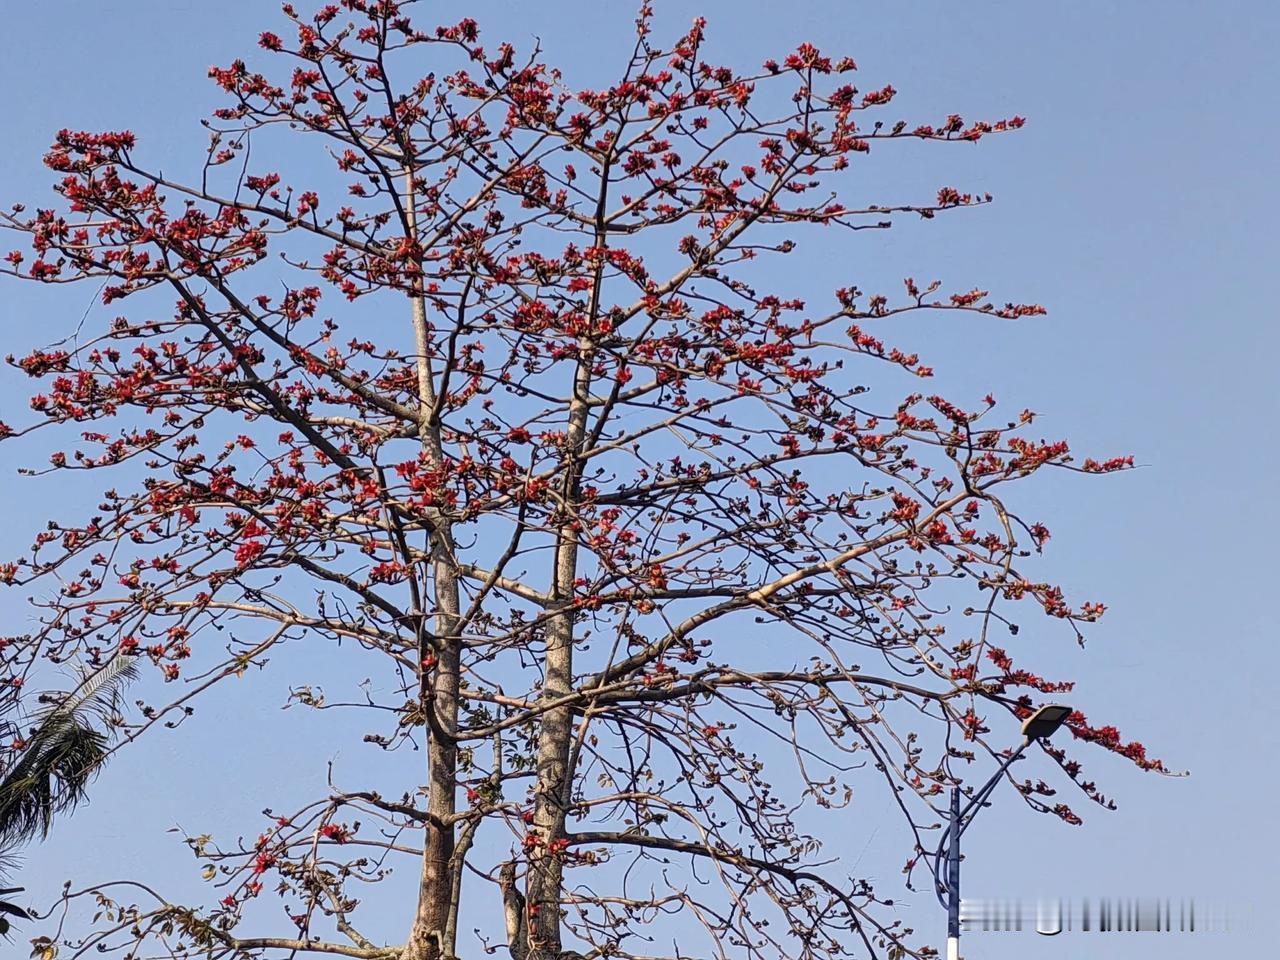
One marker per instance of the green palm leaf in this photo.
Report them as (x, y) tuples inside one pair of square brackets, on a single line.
[(63, 753)]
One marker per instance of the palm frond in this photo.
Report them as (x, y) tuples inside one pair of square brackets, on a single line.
[(99, 690), (62, 755), (8, 908)]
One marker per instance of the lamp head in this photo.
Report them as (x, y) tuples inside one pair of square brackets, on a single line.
[(1045, 721)]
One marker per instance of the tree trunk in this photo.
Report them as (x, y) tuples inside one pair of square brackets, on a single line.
[(555, 781), (545, 870), (433, 931), (433, 928)]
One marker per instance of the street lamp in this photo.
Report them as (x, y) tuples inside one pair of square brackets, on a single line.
[(1041, 724)]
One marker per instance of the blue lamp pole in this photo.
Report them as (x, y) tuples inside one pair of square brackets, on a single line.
[(1041, 724)]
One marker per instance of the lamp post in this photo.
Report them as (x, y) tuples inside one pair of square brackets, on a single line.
[(1041, 724)]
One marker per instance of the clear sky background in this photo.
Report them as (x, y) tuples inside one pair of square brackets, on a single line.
[(1139, 205)]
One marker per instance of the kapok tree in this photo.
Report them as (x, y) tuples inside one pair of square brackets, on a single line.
[(498, 414)]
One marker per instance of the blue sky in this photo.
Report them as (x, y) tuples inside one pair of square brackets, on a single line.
[(1138, 204)]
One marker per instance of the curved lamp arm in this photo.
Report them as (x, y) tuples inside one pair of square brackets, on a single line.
[(961, 823), (980, 798)]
